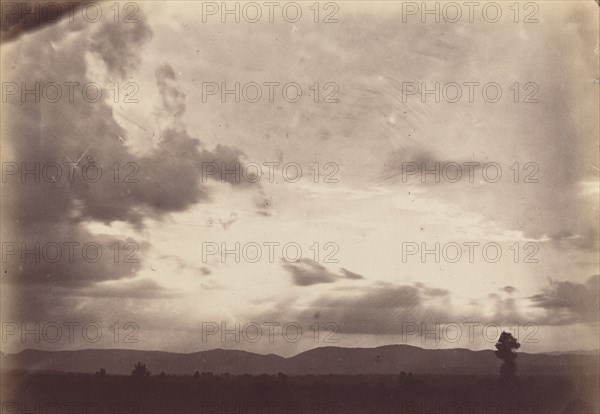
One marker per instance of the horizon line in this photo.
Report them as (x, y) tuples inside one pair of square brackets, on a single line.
[(578, 351)]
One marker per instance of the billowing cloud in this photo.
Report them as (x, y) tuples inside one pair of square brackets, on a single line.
[(383, 308), (95, 175), (380, 309), (570, 302)]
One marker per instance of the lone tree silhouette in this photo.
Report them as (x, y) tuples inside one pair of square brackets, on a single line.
[(507, 346), (140, 371)]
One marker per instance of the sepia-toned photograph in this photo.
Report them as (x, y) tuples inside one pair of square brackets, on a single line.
[(300, 207)]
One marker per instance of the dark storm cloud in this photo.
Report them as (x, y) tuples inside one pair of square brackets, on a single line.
[(19, 18), (379, 310), (63, 255), (306, 272), (166, 179), (569, 302), (391, 309)]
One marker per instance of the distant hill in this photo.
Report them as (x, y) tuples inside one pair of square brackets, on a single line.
[(389, 359)]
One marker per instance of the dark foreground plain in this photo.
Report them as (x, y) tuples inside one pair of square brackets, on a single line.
[(207, 393)]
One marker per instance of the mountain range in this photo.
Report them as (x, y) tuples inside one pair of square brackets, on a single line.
[(390, 359)]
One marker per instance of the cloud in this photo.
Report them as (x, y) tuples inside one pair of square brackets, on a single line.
[(385, 308), (166, 178), (306, 272), (351, 275), (569, 302), (381, 309), (429, 291), (509, 289), (115, 46), (415, 163), (28, 16), (172, 98), (505, 309), (554, 206), (137, 288), (263, 205)]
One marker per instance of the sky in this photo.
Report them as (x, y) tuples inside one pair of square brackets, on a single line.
[(347, 235)]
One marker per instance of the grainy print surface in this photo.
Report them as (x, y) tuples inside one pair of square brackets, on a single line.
[(300, 207)]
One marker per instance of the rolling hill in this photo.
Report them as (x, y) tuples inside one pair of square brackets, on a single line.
[(389, 359)]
